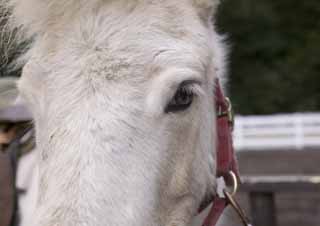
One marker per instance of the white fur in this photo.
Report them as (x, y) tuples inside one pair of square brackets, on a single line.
[(97, 78)]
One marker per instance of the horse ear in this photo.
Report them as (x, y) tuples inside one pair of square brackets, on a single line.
[(206, 8)]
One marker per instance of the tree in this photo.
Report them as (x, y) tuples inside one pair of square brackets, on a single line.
[(275, 54)]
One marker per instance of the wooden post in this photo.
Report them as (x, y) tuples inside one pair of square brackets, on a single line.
[(263, 208)]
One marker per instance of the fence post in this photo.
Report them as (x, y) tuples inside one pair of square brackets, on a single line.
[(263, 208), (238, 133)]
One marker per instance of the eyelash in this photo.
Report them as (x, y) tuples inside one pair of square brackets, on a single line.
[(182, 99)]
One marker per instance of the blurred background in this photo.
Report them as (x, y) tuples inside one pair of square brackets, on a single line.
[(274, 84), (274, 60)]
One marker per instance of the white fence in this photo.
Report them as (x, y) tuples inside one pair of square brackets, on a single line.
[(277, 132)]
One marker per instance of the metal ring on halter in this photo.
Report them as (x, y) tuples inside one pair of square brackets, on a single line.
[(234, 183)]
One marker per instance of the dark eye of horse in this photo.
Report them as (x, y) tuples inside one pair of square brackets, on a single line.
[(181, 100)]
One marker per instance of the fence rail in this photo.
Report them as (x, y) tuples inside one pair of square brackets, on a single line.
[(287, 131)]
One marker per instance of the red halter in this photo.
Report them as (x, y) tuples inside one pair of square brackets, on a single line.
[(227, 166)]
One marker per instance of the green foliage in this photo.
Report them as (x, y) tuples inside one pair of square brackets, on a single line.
[(275, 54)]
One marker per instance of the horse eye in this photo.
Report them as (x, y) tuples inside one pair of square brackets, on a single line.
[(181, 101)]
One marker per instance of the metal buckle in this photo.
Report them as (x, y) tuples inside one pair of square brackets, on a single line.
[(222, 185), (229, 196), (234, 183), (229, 113)]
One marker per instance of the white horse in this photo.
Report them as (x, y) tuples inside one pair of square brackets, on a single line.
[(122, 93)]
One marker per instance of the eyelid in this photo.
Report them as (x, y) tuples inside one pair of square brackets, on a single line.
[(165, 85), (189, 82), (191, 85)]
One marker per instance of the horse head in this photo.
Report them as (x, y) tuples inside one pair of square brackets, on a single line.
[(122, 93)]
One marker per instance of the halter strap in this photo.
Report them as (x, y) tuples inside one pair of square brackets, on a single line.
[(227, 166)]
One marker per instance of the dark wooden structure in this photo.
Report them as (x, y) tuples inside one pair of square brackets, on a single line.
[(281, 188)]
